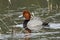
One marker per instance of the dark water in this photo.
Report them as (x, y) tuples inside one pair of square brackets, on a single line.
[(10, 10)]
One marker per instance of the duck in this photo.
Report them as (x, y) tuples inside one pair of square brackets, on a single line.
[(35, 24), (32, 23)]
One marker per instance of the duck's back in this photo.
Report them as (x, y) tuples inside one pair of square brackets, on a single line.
[(35, 24)]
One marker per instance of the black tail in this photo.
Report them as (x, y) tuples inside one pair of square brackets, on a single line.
[(45, 24)]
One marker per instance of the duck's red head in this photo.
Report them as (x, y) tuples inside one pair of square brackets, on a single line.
[(26, 14)]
